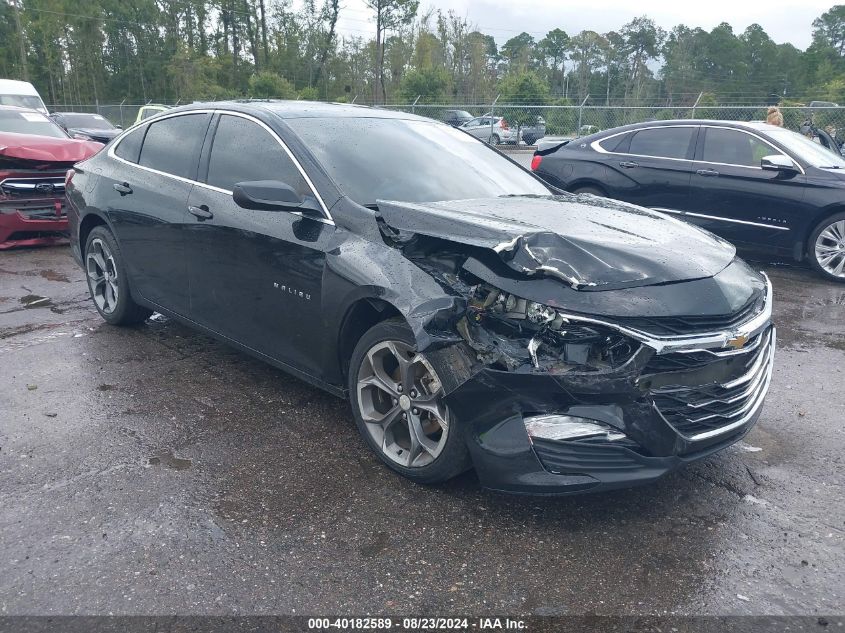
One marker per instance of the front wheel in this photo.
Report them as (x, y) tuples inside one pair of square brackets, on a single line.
[(826, 247), (397, 400), (107, 280)]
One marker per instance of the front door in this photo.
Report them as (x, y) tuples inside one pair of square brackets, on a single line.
[(735, 198), (256, 276)]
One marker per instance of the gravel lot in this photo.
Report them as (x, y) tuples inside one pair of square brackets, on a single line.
[(153, 470)]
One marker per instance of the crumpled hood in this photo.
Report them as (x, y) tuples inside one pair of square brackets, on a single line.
[(46, 148), (590, 243)]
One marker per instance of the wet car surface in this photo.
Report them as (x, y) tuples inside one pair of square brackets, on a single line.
[(154, 470)]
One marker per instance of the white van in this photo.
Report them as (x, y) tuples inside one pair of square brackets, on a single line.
[(22, 94)]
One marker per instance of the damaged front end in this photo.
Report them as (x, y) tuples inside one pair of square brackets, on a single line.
[(32, 188), (562, 387)]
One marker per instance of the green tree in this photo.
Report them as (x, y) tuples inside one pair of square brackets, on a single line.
[(390, 14), (430, 84), (830, 28), (267, 84), (523, 87), (554, 47)]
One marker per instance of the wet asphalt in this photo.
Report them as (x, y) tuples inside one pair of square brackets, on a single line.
[(151, 470)]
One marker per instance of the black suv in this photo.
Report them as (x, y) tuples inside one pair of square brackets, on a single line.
[(556, 343), (757, 185)]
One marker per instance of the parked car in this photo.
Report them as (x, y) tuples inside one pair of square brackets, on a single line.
[(494, 130), (558, 344), (35, 155), (534, 131), (456, 118), (86, 126), (21, 94), (760, 186), (150, 110)]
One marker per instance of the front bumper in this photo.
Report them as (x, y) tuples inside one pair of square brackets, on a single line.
[(675, 402), (23, 227)]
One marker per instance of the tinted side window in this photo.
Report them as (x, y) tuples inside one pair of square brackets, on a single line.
[(614, 143), (243, 150), (130, 146), (666, 142), (733, 147), (173, 145)]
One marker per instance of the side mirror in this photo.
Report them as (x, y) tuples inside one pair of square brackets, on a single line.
[(778, 162), (271, 195)]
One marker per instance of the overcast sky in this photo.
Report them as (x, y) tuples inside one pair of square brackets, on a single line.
[(783, 20)]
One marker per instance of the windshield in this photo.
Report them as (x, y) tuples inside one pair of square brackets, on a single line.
[(412, 161), (808, 150), (89, 121), (23, 101), (29, 123)]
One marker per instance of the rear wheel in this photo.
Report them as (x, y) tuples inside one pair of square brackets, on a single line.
[(494, 139), (107, 280), (826, 247), (397, 394), (591, 190)]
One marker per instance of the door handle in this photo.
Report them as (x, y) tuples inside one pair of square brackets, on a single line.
[(201, 212), (122, 188), (707, 172), (628, 164)]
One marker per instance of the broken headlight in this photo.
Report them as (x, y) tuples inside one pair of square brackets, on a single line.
[(512, 333)]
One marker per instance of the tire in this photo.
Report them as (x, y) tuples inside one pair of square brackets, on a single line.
[(381, 394), (107, 280), (591, 190), (826, 247), (494, 139)]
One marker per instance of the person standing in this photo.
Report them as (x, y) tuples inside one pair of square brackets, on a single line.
[(774, 116)]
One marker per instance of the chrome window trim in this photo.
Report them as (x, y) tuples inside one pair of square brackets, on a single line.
[(598, 148), (110, 153), (720, 218)]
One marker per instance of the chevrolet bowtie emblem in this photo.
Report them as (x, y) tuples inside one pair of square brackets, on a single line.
[(737, 342)]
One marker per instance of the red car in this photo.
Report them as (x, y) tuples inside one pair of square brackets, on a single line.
[(35, 155)]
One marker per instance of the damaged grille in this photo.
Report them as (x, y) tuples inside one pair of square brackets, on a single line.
[(702, 411), (680, 325)]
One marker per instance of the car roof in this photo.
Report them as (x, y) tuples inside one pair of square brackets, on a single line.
[(757, 126), (302, 109), (18, 87)]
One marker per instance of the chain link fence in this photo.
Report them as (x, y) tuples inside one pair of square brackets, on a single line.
[(529, 123)]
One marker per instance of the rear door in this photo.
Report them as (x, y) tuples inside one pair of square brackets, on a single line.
[(148, 195), (655, 166), (735, 198), (256, 276)]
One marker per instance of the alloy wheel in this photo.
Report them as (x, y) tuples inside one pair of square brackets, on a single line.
[(400, 401), (102, 276), (830, 249)]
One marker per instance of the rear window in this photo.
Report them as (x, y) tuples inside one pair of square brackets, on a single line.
[(130, 145), (173, 145), (663, 142), (613, 143)]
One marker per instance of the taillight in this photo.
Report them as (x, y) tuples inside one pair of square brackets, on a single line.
[(535, 162), (503, 124), (68, 177)]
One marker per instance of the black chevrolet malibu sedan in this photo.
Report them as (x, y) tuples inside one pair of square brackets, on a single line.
[(472, 316), (760, 186)]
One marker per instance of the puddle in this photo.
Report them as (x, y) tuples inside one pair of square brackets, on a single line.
[(169, 460)]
